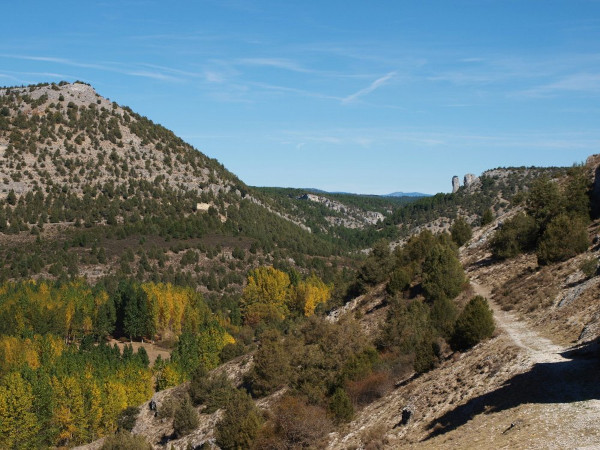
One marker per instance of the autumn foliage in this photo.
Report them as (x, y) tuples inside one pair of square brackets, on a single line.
[(62, 385), (270, 296)]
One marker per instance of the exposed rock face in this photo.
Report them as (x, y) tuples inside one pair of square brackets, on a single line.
[(455, 184), (353, 217), (593, 162), (470, 179)]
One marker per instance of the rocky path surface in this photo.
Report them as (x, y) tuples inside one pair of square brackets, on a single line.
[(563, 393), (539, 349)]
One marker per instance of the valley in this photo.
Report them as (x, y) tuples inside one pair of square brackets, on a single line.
[(137, 271)]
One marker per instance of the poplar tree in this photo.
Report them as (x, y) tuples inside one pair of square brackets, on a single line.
[(18, 423)]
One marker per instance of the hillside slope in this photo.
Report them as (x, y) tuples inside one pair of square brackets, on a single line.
[(90, 188), (532, 386)]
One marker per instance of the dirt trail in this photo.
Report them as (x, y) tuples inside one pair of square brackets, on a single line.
[(540, 349)]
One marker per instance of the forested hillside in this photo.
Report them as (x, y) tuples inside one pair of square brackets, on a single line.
[(281, 316), (91, 188)]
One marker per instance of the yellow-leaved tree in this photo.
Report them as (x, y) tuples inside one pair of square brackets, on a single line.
[(172, 307), (93, 408), (308, 294), (266, 296), (68, 412), (18, 423), (115, 401)]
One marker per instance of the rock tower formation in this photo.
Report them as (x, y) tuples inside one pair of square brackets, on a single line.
[(455, 184), (470, 179)]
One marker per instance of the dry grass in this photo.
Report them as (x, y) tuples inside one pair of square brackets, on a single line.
[(153, 350), (496, 395)]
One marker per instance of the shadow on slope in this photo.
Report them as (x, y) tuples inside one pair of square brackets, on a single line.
[(568, 381)]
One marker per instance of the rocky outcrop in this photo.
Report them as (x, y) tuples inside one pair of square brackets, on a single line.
[(470, 179), (346, 215), (455, 184), (593, 162)]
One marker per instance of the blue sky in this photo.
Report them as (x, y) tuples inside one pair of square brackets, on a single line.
[(368, 97)]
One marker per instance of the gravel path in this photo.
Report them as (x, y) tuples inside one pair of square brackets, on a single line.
[(540, 349)]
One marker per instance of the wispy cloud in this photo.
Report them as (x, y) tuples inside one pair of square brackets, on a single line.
[(153, 75), (11, 77), (301, 92), (183, 73), (63, 61), (295, 66), (443, 140), (131, 70), (373, 86), (213, 77), (582, 82), (276, 63)]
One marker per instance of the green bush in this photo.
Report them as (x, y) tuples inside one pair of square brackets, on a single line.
[(231, 351), (544, 201), (577, 192), (461, 232), (271, 369), (240, 423), (340, 406), (443, 274), (416, 249), (426, 356), (359, 365), (589, 267), (517, 235), (212, 391), (443, 316), (376, 267), (564, 238), (399, 281), (475, 323), (409, 331), (185, 419), (487, 217), (128, 417)]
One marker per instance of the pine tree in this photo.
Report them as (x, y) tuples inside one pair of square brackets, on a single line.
[(240, 423), (340, 406), (461, 231), (487, 217), (11, 199), (475, 323), (185, 419), (563, 238), (443, 275)]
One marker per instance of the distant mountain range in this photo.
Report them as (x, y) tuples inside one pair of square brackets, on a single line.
[(393, 194), (407, 194)]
